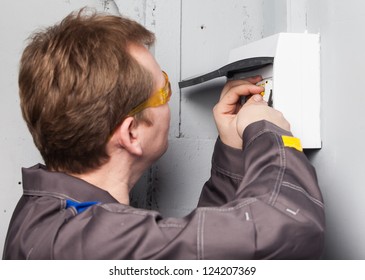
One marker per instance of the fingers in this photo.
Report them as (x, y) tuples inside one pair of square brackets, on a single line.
[(234, 83), (229, 101), (232, 92), (256, 99)]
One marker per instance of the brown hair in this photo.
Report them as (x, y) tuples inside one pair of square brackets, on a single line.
[(77, 82)]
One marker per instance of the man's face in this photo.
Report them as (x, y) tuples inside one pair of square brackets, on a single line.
[(156, 135)]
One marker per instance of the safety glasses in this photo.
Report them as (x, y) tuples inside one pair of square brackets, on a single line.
[(160, 97)]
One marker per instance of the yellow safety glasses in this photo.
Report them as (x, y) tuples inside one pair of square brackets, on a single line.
[(160, 97)]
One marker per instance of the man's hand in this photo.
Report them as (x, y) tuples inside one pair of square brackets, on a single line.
[(256, 109), (232, 119), (225, 112)]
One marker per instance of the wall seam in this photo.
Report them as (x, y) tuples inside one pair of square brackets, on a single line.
[(180, 75)]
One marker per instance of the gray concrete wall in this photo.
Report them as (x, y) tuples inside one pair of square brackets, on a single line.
[(340, 163)]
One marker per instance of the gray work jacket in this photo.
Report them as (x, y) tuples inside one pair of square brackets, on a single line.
[(261, 202)]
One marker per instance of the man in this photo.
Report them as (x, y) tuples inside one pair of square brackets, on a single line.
[(95, 101)]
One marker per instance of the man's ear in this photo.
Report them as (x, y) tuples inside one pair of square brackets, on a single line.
[(128, 136)]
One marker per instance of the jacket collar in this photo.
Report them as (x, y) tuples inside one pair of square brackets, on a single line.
[(37, 180)]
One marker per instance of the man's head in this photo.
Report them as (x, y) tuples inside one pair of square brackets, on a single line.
[(78, 81)]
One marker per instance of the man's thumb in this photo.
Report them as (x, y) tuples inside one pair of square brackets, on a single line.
[(255, 98)]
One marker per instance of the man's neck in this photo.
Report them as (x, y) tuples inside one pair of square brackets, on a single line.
[(116, 178)]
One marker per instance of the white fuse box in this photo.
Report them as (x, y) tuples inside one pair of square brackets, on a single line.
[(294, 79), (289, 64)]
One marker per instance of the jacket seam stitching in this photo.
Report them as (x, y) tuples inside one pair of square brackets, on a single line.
[(199, 209), (254, 230), (129, 210), (238, 206), (303, 191), (226, 172), (51, 194), (29, 253), (171, 226), (282, 157), (257, 135), (280, 176), (200, 235)]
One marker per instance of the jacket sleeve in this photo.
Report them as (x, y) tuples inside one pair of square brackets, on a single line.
[(226, 175), (287, 201), (261, 203)]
